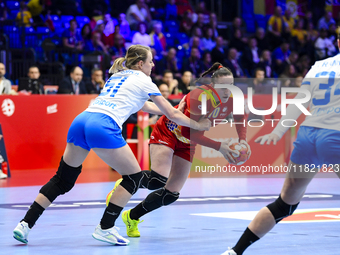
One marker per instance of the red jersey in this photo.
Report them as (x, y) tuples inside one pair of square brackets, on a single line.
[(215, 110)]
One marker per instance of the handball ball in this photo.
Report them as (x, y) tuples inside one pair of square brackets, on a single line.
[(243, 156)]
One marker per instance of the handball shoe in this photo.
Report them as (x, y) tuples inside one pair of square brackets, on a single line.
[(21, 232), (109, 236), (131, 225), (229, 252), (108, 197)]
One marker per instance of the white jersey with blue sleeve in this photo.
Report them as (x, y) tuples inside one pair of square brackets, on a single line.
[(324, 82), (124, 93)]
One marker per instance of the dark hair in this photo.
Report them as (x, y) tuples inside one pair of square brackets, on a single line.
[(34, 66), (259, 69), (218, 70), (73, 20), (166, 71), (74, 68), (87, 37), (95, 70)]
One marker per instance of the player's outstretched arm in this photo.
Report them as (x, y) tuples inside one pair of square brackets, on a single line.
[(177, 116), (152, 108)]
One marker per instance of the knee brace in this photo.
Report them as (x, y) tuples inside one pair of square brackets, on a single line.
[(132, 182), (62, 182), (156, 181), (280, 209), (160, 198)]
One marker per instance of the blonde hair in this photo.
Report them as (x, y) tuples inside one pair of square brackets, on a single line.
[(134, 54)]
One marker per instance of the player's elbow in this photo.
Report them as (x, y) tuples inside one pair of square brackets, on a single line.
[(172, 114)]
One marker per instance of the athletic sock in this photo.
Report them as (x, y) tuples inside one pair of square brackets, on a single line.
[(33, 214), (247, 239), (110, 215), (138, 211)]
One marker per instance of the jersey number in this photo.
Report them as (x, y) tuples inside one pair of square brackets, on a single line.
[(214, 113), (327, 87), (111, 87)]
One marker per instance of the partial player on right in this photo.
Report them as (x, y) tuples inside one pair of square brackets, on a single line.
[(317, 144)]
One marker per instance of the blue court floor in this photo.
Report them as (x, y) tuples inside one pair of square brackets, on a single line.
[(210, 216)]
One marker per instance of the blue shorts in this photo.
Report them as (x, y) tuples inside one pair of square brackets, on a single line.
[(95, 130), (316, 146)]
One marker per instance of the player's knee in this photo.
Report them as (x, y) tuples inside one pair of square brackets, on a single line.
[(132, 182), (62, 182), (156, 181), (163, 197), (280, 209)]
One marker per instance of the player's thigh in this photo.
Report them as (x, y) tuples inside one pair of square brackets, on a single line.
[(161, 158), (297, 179), (121, 159), (179, 174), (328, 148), (74, 155)]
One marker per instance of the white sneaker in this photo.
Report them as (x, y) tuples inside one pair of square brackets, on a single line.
[(2, 175), (21, 232), (229, 252), (109, 236)]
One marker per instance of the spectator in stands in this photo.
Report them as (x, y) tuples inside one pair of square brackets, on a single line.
[(86, 33), (299, 33), (200, 23), (186, 23), (213, 23), (184, 82), (138, 13), (5, 85), (279, 55), (71, 37), (219, 52), (237, 24), (24, 17), (109, 25), (158, 41), (251, 56), (291, 60), (298, 80), (332, 34), (276, 26), (169, 62), (303, 64), (73, 84), (96, 83), (208, 41), (312, 34), (106, 39), (262, 39), (266, 63), (323, 46), (326, 21), (95, 44), (124, 26), (91, 7), (118, 49), (193, 63), (207, 60), (308, 17), (287, 17), (141, 37), (34, 84), (233, 63), (288, 76), (36, 7), (258, 83), (201, 9), (3, 10), (171, 10), (168, 79), (238, 41), (164, 89)]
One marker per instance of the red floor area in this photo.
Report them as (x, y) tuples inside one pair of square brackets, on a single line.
[(41, 176)]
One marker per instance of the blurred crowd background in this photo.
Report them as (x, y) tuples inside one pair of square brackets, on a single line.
[(72, 43)]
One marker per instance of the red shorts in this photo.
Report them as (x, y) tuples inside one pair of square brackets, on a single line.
[(162, 135)]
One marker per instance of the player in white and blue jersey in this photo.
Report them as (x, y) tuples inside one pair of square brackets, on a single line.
[(317, 146), (99, 128)]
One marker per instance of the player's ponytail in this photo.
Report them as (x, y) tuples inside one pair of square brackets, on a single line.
[(134, 54), (218, 70)]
